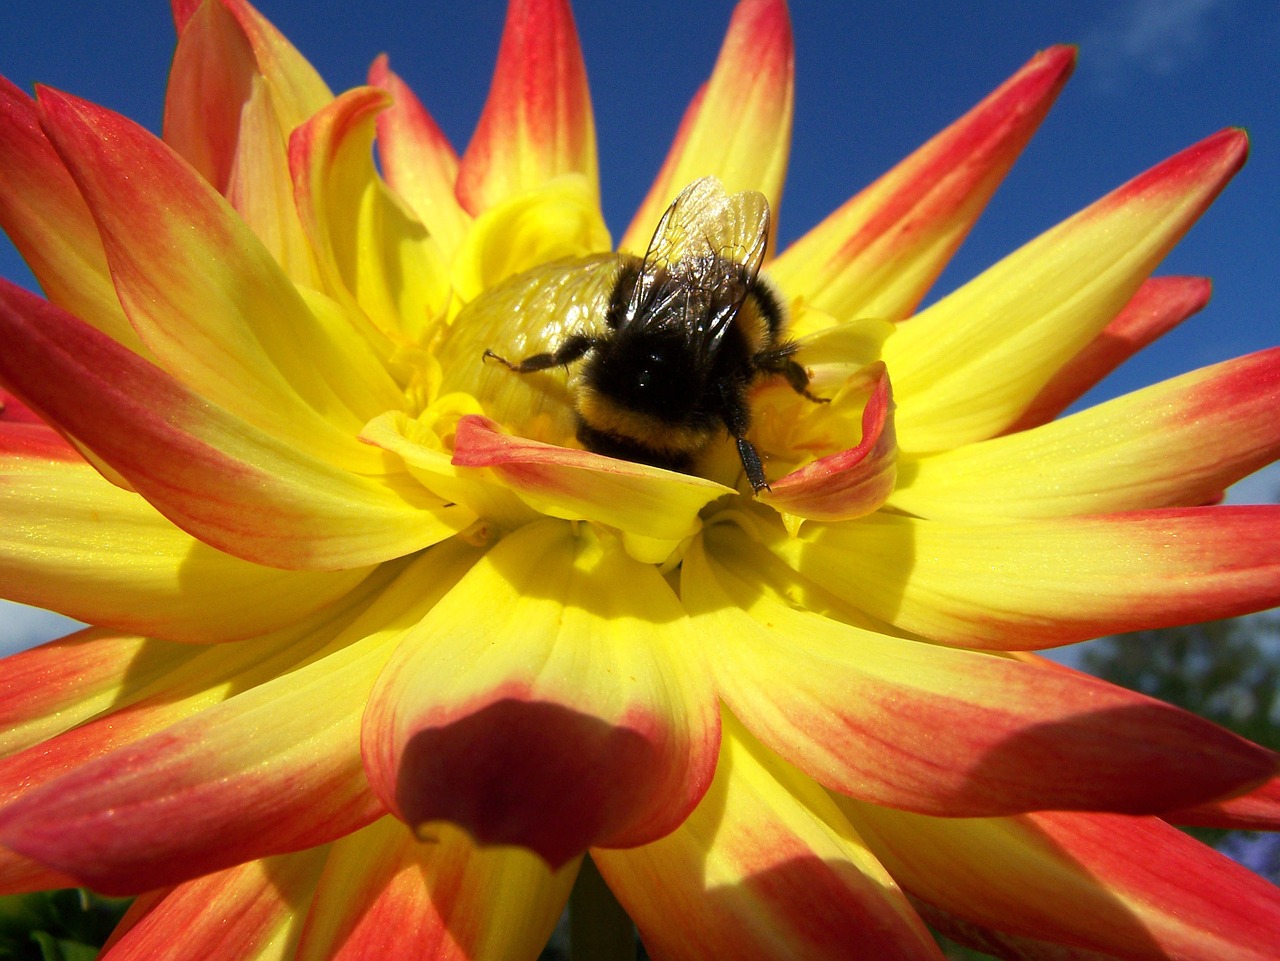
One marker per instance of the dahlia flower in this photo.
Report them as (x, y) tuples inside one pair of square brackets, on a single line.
[(378, 653)]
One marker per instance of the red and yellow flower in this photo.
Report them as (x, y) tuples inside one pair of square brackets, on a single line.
[(376, 653)]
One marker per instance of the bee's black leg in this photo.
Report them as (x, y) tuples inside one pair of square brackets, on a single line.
[(751, 462), (777, 359), (798, 378), (571, 350)]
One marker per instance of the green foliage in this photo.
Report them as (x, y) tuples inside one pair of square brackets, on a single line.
[(67, 925)]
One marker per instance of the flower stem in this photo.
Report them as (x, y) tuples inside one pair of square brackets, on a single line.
[(599, 929)]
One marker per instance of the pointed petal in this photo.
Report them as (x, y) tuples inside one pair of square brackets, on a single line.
[(51, 688), (71, 541), (1178, 443), (261, 189), (1258, 810), (224, 46), (537, 123), (214, 476), (35, 437), (1136, 887), (418, 161), (656, 509), (1160, 304), (853, 482), (385, 894), (19, 875), (973, 735), (879, 253), (739, 126), (375, 258), (234, 782), (594, 688), (246, 913), (199, 287), (966, 368), (114, 689), (1023, 585), (210, 82), (766, 868), (182, 11), (256, 773), (44, 215), (998, 944)]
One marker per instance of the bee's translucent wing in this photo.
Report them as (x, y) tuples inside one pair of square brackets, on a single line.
[(701, 263)]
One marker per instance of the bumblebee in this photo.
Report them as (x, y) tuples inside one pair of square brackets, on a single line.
[(688, 330)]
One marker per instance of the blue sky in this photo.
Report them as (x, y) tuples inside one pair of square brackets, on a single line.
[(874, 80)]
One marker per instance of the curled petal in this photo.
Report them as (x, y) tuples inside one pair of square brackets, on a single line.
[(998, 944), (766, 867), (19, 875), (965, 368), (224, 48), (878, 254), (537, 123), (739, 126), (1177, 443), (973, 735), (572, 663), (204, 294), (656, 508), (44, 215), (218, 478), (376, 259), (1160, 304), (422, 449), (1258, 810), (418, 162), (1046, 581), (36, 437), (1137, 887), (244, 913), (851, 483), (385, 894), (236, 90)]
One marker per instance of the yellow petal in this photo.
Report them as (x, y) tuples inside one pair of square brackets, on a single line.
[(1179, 443), (1021, 585), (537, 123), (72, 542), (383, 894), (967, 367), (377, 260), (766, 868), (739, 127), (224, 46), (657, 508), (418, 162), (573, 665), (879, 253)]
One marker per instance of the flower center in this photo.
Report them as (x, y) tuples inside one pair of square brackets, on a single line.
[(530, 314)]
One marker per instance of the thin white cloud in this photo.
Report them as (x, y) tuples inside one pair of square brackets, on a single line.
[(1152, 36)]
